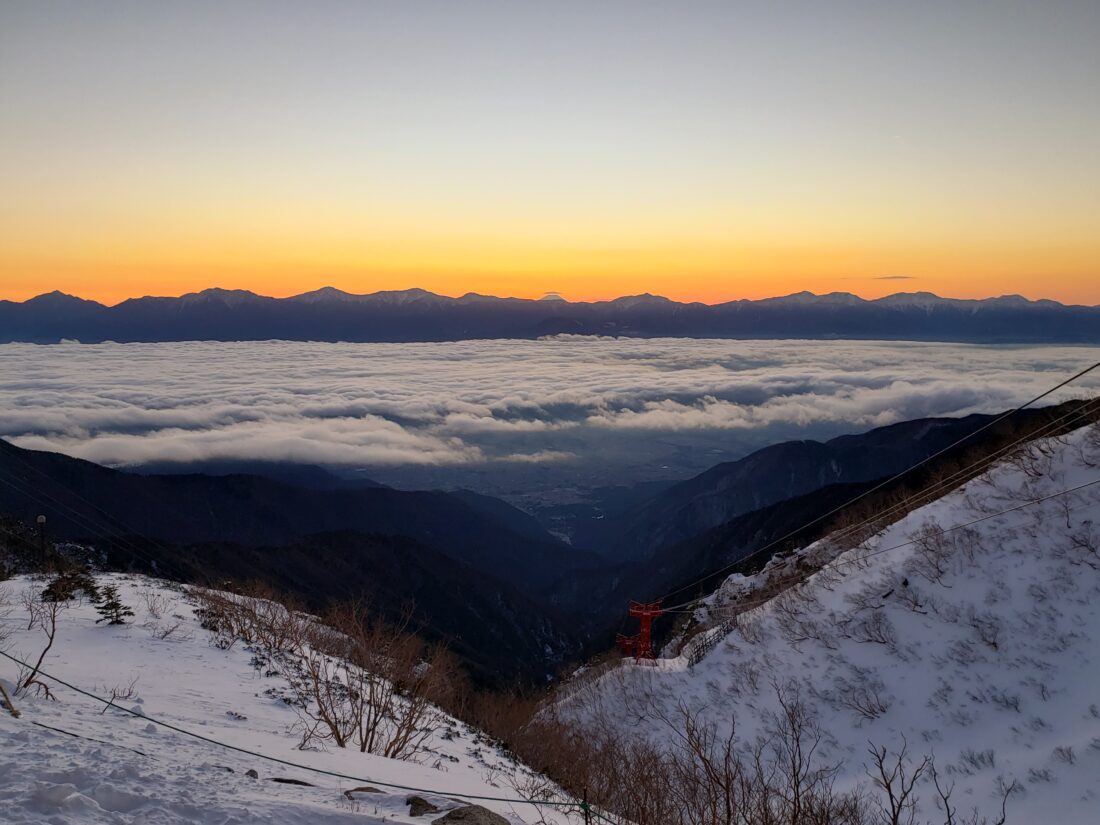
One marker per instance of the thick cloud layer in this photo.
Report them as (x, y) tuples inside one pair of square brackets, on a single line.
[(643, 408)]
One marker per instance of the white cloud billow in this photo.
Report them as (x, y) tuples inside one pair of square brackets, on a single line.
[(470, 403)]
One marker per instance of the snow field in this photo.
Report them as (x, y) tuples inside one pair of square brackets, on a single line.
[(980, 647), (110, 766)]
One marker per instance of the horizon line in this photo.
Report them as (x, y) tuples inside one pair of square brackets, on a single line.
[(551, 296)]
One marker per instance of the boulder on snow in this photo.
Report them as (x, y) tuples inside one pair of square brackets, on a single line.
[(251, 773), (418, 806), (471, 815), (361, 789)]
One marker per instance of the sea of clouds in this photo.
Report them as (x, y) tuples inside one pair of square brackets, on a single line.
[(673, 406)]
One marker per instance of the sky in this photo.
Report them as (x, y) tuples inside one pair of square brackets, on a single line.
[(700, 150)]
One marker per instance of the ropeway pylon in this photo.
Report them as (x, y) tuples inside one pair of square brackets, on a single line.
[(640, 646)]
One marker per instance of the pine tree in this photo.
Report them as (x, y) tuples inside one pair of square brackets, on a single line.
[(67, 584), (110, 607)]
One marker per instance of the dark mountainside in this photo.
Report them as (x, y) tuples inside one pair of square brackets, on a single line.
[(770, 475), (298, 475), (86, 499), (699, 563), (512, 601), (416, 315), (501, 634)]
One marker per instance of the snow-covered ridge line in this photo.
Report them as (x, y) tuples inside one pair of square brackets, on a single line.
[(977, 646)]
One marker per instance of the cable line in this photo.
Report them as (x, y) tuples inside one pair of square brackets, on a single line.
[(859, 559), (936, 490), (285, 762), (880, 485), (107, 530)]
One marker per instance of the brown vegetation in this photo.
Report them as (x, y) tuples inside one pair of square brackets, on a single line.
[(356, 681)]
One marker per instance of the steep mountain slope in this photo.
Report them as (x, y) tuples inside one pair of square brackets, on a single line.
[(500, 634), (416, 315), (85, 500), (70, 759), (785, 471), (976, 644), (297, 475)]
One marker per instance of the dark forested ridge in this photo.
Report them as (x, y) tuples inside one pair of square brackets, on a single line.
[(774, 474), (86, 500)]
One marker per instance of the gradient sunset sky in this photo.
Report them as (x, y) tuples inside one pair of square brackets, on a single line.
[(699, 150)]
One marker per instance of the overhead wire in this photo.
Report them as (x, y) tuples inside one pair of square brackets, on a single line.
[(832, 565), (880, 485), (935, 490), (90, 526), (286, 762), (97, 527), (926, 495)]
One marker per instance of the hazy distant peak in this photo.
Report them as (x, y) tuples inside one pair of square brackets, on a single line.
[(929, 300), (56, 298), (478, 298), (914, 299), (807, 298), (326, 294), (332, 295), (645, 299), (840, 298), (400, 296), (1013, 301), (228, 297)]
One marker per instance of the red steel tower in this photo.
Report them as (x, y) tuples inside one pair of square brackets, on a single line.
[(641, 645)]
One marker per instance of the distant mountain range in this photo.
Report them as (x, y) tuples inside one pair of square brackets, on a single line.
[(417, 315)]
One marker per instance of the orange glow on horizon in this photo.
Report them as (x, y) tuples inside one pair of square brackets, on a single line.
[(112, 285)]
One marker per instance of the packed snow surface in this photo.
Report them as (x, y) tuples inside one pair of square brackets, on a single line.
[(980, 646), (70, 760)]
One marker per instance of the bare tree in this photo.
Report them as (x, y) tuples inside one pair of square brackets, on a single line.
[(43, 616), (365, 683), (896, 777), (5, 616)]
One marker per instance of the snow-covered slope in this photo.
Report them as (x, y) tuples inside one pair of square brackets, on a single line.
[(980, 646), (108, 766)]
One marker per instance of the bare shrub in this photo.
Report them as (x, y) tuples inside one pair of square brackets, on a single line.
[(1064, 753), (169, 630), (156, 604), (869, 597), (865, 694), (361, 682), (122, 693), (795, 617), (5, 616), (256, 615), (874, 628), (43, 616), (987, 626), (931, 558), (971, 761), (704, 776)]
